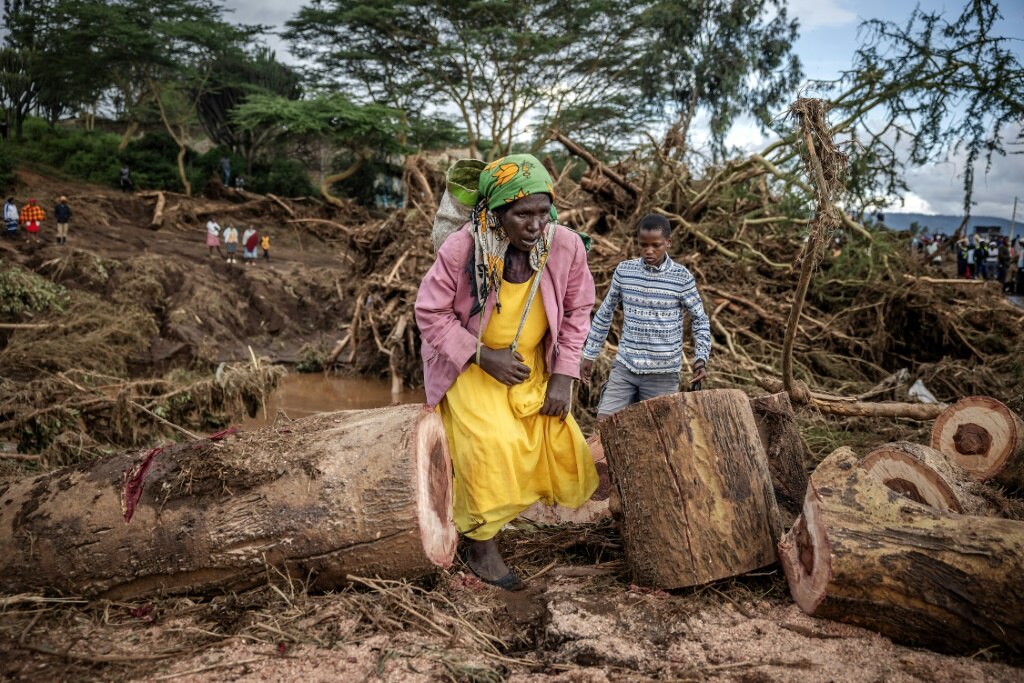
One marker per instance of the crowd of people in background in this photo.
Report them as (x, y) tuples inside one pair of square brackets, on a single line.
[(30, 219), (253, 244), (31, 216), (981, 257)]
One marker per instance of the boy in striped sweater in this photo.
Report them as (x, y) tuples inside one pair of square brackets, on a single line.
[(655, 293)]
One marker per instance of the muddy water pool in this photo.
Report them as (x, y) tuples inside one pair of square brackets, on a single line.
[(304, 394)]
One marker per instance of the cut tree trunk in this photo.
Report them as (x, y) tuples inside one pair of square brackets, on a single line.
[(864, 555), (786, 450), (926, 476), (364, 492), (985, 438), (694, 488)]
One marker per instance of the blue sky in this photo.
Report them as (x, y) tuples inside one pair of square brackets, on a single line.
[(828, 39)]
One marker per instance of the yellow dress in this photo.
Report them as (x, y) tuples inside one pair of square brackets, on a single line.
[(506, 455)]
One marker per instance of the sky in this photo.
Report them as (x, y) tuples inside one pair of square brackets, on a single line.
[(828, 39)]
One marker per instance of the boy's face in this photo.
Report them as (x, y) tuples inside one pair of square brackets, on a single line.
[(653, 244)]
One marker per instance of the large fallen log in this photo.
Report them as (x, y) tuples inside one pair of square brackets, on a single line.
[(358, 492), (985, 438), (863, 554), (786, 451), (694, 488)]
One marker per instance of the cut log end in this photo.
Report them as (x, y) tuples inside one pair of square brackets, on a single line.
[(805, 556), (908, 474), (984, 437), (434, 498)]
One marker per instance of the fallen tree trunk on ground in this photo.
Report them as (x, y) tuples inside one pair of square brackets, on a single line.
[(926, 476), (693, 483), (786, 451), (985, 438), (861, 554), (357, 492)]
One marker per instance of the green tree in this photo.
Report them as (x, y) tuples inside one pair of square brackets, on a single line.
[(19, 85), (725, 57), (234, 77), (329, 122), (501, 65)]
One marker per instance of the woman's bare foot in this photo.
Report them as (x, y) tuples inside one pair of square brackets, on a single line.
[(486, 562)]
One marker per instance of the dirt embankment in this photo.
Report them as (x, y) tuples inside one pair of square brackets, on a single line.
[(126, 320)]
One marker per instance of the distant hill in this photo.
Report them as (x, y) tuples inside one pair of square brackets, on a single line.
[(947, 224)]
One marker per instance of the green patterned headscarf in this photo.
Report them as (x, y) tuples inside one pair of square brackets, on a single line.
[(501, 183)]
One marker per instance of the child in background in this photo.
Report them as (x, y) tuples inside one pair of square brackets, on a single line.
[(231, 242), (656, 293), (265, 246)]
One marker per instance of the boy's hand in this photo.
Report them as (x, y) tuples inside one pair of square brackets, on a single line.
[(700, 373), (559, 396), (586, 365), (504, 365)]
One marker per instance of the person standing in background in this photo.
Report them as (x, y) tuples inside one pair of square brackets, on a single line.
[(126, 179), (231, 243), (62, 213), (265, 246), (10, 219), (213, 237), (33, 216)]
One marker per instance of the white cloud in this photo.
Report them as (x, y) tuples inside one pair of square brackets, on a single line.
[(818, 13), (911, 203)]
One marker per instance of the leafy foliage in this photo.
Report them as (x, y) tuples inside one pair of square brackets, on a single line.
[(233, 78), (924, 89), (23, 292)]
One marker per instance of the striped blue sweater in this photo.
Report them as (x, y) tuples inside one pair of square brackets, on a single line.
[(654, 301)]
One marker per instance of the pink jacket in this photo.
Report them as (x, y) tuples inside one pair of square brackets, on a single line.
[(445, 300)]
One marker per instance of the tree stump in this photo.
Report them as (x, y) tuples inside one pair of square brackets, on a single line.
[(926, 476), (863, 554), (786, 451), (364, 492), (693, 484), (985, 438)]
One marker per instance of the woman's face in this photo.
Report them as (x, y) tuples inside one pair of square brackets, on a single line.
[(525, 220)]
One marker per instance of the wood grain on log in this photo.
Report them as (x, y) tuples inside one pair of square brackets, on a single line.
[(356, 492), (693, 483), (786, 451), (985, 438), (863, 554), (926, 476)]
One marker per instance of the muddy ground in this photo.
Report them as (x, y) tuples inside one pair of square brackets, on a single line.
[(580, 620)]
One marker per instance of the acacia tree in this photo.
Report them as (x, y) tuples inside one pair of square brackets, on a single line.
[(500, 65), (918, 91), (334, 120), (925, 89), (725, 57), (235, 77)]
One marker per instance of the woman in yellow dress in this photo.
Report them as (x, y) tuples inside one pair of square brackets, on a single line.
[(503, 314)]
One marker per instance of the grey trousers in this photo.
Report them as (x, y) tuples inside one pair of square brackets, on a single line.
[(625, 388)]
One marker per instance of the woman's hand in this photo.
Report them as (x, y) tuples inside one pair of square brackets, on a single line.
[(504, 365), (556, 403)]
